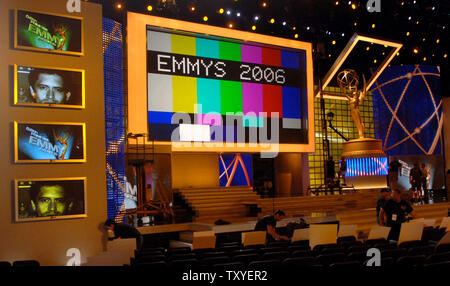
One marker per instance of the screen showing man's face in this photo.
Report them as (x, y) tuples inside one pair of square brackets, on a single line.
[(49, 88), (51, 201)]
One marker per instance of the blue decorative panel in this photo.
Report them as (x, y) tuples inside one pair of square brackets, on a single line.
[(114, 118), (407, 108), (375, 166), (243, 164)]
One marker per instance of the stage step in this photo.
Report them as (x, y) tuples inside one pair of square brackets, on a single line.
[(211, 204)]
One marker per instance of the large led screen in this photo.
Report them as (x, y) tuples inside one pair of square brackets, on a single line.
[(214, 89), (48, 87), (45, 199), (49, 142), (200, 88), (48, 32)]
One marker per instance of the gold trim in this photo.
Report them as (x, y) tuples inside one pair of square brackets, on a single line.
[(17, 46), (16, 198), (16, 147), (346, 52), (137, 76), (50, 105)]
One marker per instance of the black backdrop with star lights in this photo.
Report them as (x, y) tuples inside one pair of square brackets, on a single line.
[(422, 26)]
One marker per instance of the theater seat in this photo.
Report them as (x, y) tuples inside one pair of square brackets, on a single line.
[(394, 253), (409, 244), (299, 261), (357, 256), (346, 264), (438, 257), (215, 260), (5, 264), (442, 248), (266, 264), (152, 258), (26, 263), (246, 258), (302, 253), (327, 259), (185, 263), (417, 260), (159, 265), (280, 255), (228, 266)]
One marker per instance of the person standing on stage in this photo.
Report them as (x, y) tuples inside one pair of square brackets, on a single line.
[(394, 167), (415, 179), (425, 179)]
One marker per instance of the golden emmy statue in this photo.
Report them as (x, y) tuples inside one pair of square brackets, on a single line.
[(363, 149), (348, 81)]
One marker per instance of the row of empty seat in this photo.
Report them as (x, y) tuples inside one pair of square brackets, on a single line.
[(347, 252)]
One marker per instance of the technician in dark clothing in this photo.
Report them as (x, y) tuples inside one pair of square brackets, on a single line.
[(385, 195), (124, 230), (394, 213), (269, 223)]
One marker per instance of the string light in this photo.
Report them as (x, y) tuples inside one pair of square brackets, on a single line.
[(375, 61), (437, 41), (119, 6), (228, 12), (192, 8), (353, 6), (253, 27), (272, 20), (416, 51), (445, 56), (205, 18), (264, 4), (296, 36), (149, 8), (425, 59), (407, 34), (256, 18), (333, 42), (230, 25), (368, 48), (221, 11), (373, 26)]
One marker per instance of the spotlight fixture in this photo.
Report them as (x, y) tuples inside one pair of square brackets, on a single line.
[(272, 20), (149, 8), (253, 27), (296, 36), (256, 18), (221, 11), (416, 51), (205, 18), (119, 6)]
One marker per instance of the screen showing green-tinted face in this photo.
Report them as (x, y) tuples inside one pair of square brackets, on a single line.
[(50, 198), (49, 32)]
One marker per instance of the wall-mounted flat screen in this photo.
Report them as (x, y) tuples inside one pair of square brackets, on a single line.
[(49, 32), (49, 142), (46, 199), (48, 87)]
